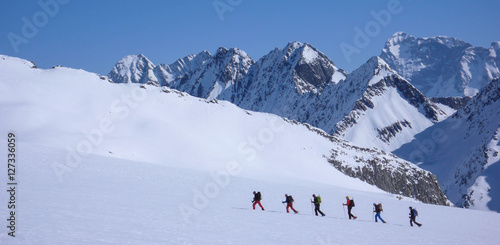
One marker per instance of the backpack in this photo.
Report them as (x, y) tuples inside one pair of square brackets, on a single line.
[(352, 203), (291, 199), (415, 213), (380, 207), (319, 199)]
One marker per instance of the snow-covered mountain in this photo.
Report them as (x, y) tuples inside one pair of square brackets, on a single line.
[(442, 66), (281, 79), (464, 151), (201, 75), (175, 71), (383, 110), (134, 69), (107, 163), (373, 107), (220, 72)]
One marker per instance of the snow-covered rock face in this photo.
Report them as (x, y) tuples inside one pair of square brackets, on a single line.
[(463, 151), (134, 69), (314, 70), (201, 75), (381, 109), (384, 170), (283, 78), (219, 72), (442, 66)]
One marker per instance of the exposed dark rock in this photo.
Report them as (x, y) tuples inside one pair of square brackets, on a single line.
[(384, 170), (452, 102), (393, 175), (385, 134)]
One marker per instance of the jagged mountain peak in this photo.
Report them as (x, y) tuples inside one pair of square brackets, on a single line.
[(495, 50), (376, 62), (441, 66), (404, 45), (310, 54), (449, 42), (398, 37), (222, 50), (168, 73), (133, 69), (134, 59), (292, 46), (371, 72), (305, 51), (283, 53), (231, 52), (203, 55), (403, 37)]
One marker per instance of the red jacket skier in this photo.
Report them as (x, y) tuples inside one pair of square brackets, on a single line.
[(349, 205), (256, 199), (289, 203)]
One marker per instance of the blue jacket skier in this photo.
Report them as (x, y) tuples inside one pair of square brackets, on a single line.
[(377, 208), (413, 215)]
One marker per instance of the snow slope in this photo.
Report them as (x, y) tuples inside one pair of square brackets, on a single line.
[(103, 163)]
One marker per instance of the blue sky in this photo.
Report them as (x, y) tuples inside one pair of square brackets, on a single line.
[(94, 35)]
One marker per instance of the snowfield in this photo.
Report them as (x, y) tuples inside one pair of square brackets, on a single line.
[(103, 163)]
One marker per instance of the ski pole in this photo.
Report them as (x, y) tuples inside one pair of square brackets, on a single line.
[(344, 211), (312, 212), (373, 215)]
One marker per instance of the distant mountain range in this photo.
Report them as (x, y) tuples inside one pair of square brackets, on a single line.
[(442, 66), (386, 103)]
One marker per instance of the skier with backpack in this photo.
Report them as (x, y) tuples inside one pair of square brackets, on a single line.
[(413, 215), (289, 203), (256, 200), (377, 208), (317, 201), (350, 205)]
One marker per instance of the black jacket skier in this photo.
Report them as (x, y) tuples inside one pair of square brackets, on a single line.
[(413, 215), (317, 201)]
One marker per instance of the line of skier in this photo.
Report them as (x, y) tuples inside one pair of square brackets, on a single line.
[(316, 201)]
